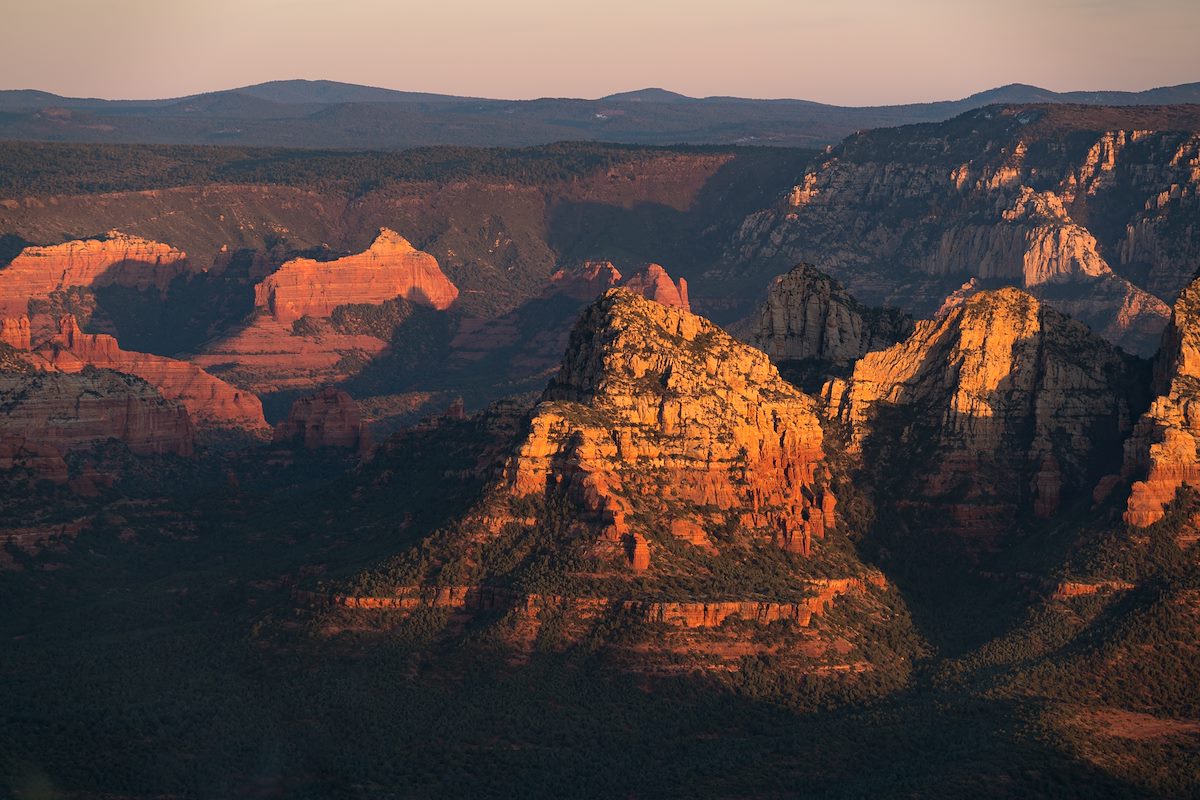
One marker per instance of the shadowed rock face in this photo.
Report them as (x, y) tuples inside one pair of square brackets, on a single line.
[(659, 413), (1001, 409), (670, 476), (71, 411), (1164, 450), (1094, 222), (328, 418), (210, 401), (390, 268), (808, 315), (116, 259)]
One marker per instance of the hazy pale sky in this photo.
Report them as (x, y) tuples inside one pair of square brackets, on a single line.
[(852, 52)]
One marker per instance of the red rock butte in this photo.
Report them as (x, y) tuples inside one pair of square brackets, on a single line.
[(1163, 450), (75, 411), (655, 284), (114, 259), (209, 400), (391, 267), (591, 279), (328, 418), (635, 421)]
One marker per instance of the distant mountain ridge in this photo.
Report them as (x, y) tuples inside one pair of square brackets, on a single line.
[(303, 113)]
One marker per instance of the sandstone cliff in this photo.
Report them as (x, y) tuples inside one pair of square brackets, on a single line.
[(329, 418), (530, 340), (15, 332), (655, 284), (585, 282), (1000, 410), (669, 499), (808, 315), (45, 411), (208, 400), (659, 415), (1164, 451), (265, 355), (114, 259), (1094, 222), (391, 267)]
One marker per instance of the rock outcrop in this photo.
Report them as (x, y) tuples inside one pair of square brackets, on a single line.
[(329, 418), (670, 482), (112, 259), (808, 315), (585, 282), (391, 267), (265, 355), (655, 284), (657, 414), (209, 401), (1094, 222), (1164, 451), (530, 340), (15, 332), (1003, 409), (64, 412)]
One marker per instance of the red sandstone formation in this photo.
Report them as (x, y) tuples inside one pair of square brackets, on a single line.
[(1164, 450), (115, 259), (1000, 407), (655, 284), (15, 332), (587, 281), (1003, 202), (54, 412), (808, 315), (17, 451), (677, 614), (210, 401), (328, 418), (1069, 589), (270, 356), (657, 411), (391, 267)]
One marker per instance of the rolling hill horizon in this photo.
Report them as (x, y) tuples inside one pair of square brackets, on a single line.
[(305, 113)]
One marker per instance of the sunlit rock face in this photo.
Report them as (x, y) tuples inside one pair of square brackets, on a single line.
[(655, 284), (1162, 454), (1000, 410), (115, 259), (391, 267), (1094, 221), (658, 413), (210, 401)]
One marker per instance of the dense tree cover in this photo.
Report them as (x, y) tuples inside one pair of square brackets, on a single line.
[(171, 649), (28, 168)]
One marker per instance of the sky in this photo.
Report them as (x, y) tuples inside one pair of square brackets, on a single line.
[(848, 52)]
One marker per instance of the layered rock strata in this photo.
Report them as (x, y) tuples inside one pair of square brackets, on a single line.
[(391, 267), (116, 258), (65, 412), (1095, 222), (329, 418), (810, 316), (1001, 410), (209, 400), (657, 413), (1163, 453)]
